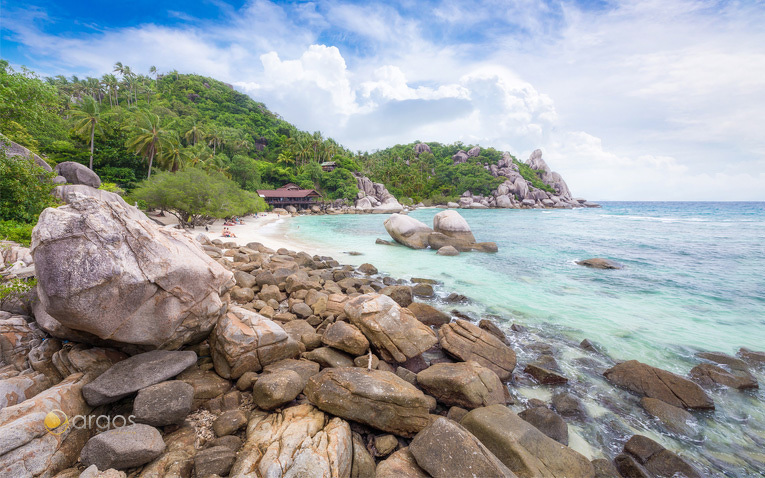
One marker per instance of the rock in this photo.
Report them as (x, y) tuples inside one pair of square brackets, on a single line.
[(27, 448), (367, 269), (246, 341), (724, 359), (628, 467), (16, 389), (485, 247), (329, 358), (460, 157), (345, 337), (392, 329), (420, 148), (503, 201), (600, 263), (242, 295), (407, 231), (77, 173), (452, 224), (299, 441), (474, 152), (494, 330), (304, 368), (522, 447), (604, 469), (92, 472), (373, 397), (466, 342), (568, 406), (452, 205), (104, 269), (448, 251), (123, 447), (206, 384), (402, 294), (547, 422), (674, 419), (363, 465), (422, 290), (463, 384), (245, 280), (229, 422), (163, 404), (751, 356), (302, 310), (657, 460), (383, 242), (400, 464), (276, 389), (657, 383), (385, 445), (445, 449), (543, 375), (135, 373), (708, 375), (216, 460), (428, 315)]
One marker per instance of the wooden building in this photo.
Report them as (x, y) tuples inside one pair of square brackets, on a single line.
[(290, 195)]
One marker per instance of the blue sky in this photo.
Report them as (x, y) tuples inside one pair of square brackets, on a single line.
[(661, 100)]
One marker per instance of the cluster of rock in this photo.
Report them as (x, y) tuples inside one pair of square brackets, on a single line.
[(516, 192), (374, 197), (449, 236), (245, 361)]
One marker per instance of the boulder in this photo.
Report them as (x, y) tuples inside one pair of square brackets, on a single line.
[(547, 422), (402, 294), (76, 173), (504, 201), (304, 368), (135, 373), (229, 422), (178, 458), (367, 269), (363, 464), (752, 356), (460, 157), (724, 359), (346, 337), (656, 459), (392, 329), (656, 383), (298, 441), (422, 290), (446, 450), (123, 447), (452, 205), (447, 251), (273, 390), (709, 375), (216, 460), (428, 314), (105, 270), (328, 357), (379, 399), (544, 375), (401, 464), (569, 406), (13, 149), (522, 447), (408, 231), (420, 148), (165, 403), (600, 263), (453, 225), (462, 384), (466, 341), (389, 206), (246, 341), (17, 338), (674, 419), (474, 152)]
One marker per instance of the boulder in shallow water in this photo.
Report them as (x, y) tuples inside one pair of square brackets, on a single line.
[(656, 383), (408, 231), (104, 270), (654, 458), (448, 251), (674, 419), (547, 422), (708, 375), (600, 263), (452, 224)]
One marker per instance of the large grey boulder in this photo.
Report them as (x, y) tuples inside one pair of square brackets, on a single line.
[(373, 397), (453, 225), (135, 373), (393, 329), (420, 148), (14, 149), (525, 450), (474, 152), (643, 454), (104, 270), (460, 157), (76, 173), (408, 231), (123, 447), (364, 204), (272, 390), (656, 383), (165, 403), (389, 205), (447, 450), (247, 341), (299, 441), (463, 384)]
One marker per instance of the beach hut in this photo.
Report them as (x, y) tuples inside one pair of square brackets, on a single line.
[(290, 195)]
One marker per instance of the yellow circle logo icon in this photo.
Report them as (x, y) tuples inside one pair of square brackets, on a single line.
[(56, 422)]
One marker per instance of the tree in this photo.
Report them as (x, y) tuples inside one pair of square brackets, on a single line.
[(194, 135), (87, 117), (193, 195), (25, 189), (148, 138), (176, 156)]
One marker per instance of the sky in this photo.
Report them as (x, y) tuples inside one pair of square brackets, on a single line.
[(628, 100)]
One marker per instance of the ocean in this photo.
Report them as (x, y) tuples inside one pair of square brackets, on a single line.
[(694, 280)]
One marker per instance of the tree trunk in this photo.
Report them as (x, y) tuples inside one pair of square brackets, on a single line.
[(151, 160), (92, 134)]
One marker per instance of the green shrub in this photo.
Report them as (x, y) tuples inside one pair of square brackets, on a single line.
[(16, 231), (25, 189)]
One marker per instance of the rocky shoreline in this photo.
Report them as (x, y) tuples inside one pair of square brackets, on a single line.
[(239, 360)]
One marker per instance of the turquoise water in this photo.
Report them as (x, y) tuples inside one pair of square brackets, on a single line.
[(694, 280)]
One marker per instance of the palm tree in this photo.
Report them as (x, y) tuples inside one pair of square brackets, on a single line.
[(153, 71), (215, 138), (87, 118), (195, 134), (148, 137), (175, 157)]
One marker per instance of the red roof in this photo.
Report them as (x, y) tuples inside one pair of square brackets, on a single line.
[(288, 193)]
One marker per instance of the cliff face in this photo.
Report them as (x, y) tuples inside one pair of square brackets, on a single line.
[(517, 192)]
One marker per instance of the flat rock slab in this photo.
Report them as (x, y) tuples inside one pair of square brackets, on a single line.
[(373, 397), (462, 384), (447, 450), (657, 383), (467, 341), (135, 373), (600, 263), (674, 419), (163, 404), (124, 447), (654, 458), (708, 375)]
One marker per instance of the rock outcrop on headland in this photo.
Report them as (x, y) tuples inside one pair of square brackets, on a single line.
[(374, 197)]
